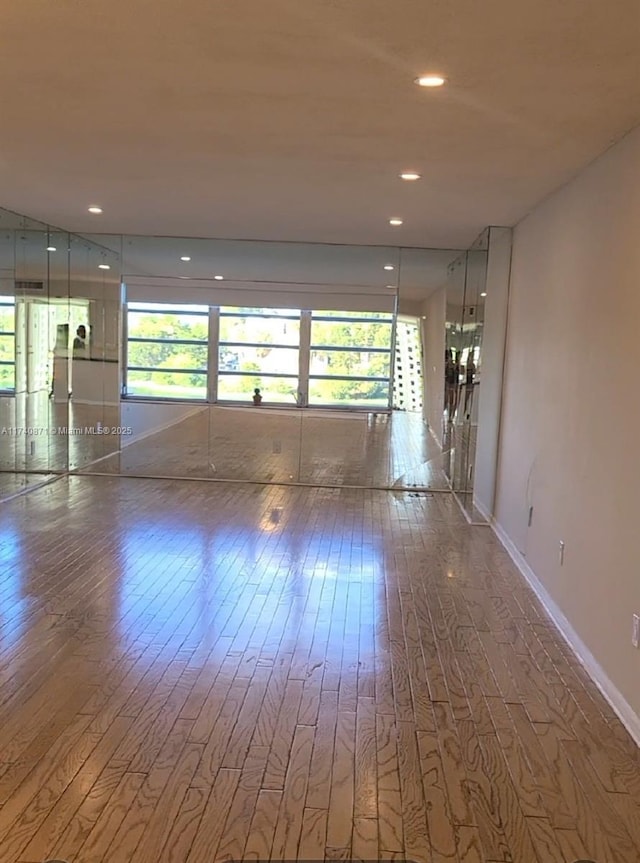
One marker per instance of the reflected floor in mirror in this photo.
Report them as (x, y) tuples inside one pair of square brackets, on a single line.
[(207, 672), (16, 483), (39, 434), (271, 445), (458, 457)]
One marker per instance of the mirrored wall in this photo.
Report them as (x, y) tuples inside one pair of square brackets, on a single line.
[(464, 328), (215, 359), (275, 362), (60, 347)]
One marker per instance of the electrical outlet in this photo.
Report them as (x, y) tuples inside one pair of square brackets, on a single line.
[(561, 552), (635, 635)]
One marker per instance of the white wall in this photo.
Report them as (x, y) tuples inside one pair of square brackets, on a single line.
[(433, 341), (571, 412)]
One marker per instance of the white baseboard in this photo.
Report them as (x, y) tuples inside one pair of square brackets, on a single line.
[(484, 512), (619, 704)]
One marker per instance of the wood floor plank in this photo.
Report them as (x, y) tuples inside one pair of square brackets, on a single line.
[(289, 827), (162, 785), (366, 767), (453, 766), (313, 836), (588, 825), (263, 825), (322, 759), (483, 795), (283, 736), (59, 815), (206, 671), (235, 834), (415, 828), (98, 840), (442, 836), (365, 839), (341, 801), (211, 825)]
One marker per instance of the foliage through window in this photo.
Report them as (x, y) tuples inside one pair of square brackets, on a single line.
[(167, 350), (349, 355), (7, 343), (350, 358), (259, 348)]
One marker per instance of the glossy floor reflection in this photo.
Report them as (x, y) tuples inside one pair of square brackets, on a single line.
[(309, 446), (201, 672)]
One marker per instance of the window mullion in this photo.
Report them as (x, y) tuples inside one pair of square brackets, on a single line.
[(304, 358), (213, 353)]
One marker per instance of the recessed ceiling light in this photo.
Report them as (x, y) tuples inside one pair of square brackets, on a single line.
[(389, 267), (483, 294), (390, 286), (104, 267), (409, 175), (51, 248), (218, 278), (184, 277), (395, 222), (95, 209), (430, 81), (185, 258)]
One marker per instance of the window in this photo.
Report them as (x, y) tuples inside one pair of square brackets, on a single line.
[(259, 348), (7, 343), (349, 354), (350, 361), (167, 349)]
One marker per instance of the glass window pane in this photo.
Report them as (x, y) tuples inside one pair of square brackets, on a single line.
[(260, 330), (7, 349), (7, 319), (275, 361), (162, 385), (7, 377), (350, 392), (365, 364), (167, 350), (163, 326), (350, 335), (167, 355), (278, 390)]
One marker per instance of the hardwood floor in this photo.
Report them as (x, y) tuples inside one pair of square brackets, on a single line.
[(199, 672)]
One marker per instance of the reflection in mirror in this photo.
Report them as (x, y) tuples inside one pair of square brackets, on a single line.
[(463, 365), (228, 352), (94, 327), (43, 332), (418, 365), (9, 481), (40, 286), (210, 322)]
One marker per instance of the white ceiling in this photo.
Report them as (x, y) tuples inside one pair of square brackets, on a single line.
[(291, 119)]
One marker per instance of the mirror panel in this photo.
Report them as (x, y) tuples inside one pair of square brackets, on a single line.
[(464, 327)]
